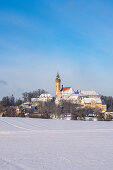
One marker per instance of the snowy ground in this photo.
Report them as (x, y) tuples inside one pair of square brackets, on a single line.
[(27, 144)]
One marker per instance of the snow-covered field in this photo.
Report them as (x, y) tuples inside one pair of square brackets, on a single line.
[(27, 144)]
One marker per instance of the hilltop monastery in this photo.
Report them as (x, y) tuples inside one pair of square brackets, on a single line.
[(84, 98)]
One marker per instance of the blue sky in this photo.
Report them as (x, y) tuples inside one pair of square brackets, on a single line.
[(39, 38)]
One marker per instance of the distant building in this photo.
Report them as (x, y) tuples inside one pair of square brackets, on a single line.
[(25, 108), (84, 98), (42, 98), (65, 93), (93, 103), (92, 94), (26, 105)]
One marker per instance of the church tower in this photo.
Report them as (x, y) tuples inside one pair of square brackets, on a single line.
[(58, 85)]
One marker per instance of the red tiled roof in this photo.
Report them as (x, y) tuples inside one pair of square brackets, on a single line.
[(65, 88)]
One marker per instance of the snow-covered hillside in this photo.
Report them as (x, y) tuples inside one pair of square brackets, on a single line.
[(27, 144)]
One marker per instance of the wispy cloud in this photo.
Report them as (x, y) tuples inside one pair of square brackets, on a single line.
[(3, 82)]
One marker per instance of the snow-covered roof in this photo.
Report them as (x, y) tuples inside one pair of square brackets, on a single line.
[(42, 97), (72, 97), (89, 100), (45, 95), (88, 93)]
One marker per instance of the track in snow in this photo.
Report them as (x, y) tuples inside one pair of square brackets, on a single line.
[(55, 145)]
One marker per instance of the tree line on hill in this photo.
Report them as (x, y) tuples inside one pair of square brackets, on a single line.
[(64, 109), (46, 110), (8, 103), (11, 101), (108, 100)]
